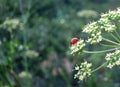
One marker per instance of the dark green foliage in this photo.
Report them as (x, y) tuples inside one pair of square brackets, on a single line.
[(35, 53)]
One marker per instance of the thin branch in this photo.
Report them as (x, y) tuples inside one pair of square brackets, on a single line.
[(20, 6), (117, 34), (110, 41), (102, 51), (107, 45), (15, 77), (99, 67), (116, 38)]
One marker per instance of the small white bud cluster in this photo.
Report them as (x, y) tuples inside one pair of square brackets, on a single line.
[(112, 15), (91, 28), (107, 20), (77, 47), (105, 23), (95, 38), (83, 71), (11, 23), (113, 59), (94, 31)]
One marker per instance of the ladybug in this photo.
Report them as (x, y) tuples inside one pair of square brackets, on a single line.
[(74, 41)]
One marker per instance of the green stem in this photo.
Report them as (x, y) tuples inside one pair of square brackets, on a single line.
[(3, 74), (15, 77), (111, 41), (99, 67), (24, 43), (24, 32), (107, 45), (116, 29), (99, 51), (117, 34), (116, 38), (20, 6)]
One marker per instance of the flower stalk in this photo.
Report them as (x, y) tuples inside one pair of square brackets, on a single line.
[(95, 30)]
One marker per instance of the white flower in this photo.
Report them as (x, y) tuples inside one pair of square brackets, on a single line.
[(77, 47), (113, 59), (91, 28), (83, 71), (95, 38), (94, 31), (106, 24), (11, 23), (77, 68), (112, 15)]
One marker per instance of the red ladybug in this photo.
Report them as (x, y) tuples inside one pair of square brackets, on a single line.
[(74, 41)]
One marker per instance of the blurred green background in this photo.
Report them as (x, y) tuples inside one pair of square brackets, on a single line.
[(35, 39)]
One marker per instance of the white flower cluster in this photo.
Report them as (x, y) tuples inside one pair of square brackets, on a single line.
[(11, 23), (105, 23), (91, 28), (113, 59), (83, 71), (94, 31), (112, 15), (107, 19), (77, 47), (95, 38)]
